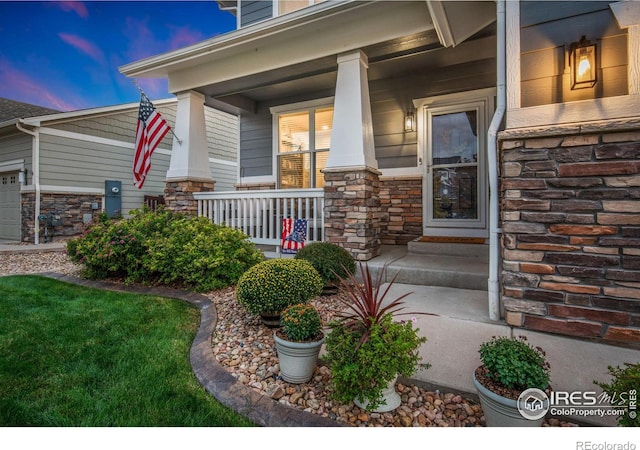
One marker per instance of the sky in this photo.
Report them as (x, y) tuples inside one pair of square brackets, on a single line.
[(65, 55)]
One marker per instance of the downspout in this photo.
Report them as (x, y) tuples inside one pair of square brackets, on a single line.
[(492, 150), (36, 176)]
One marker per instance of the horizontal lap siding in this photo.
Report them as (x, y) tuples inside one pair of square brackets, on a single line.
[(16, 148), (548, 30), (255, 11)]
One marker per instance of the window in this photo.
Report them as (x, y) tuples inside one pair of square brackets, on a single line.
[(303, 142), (287, 6)]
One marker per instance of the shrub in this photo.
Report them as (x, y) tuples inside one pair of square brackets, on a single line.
[(366, 348), (330, 260), (164, 247), (272, 285), (514, 363), (625, 382), (301, 322)]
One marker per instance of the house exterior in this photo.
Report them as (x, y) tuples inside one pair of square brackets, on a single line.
[(468, 120), (68, 163)]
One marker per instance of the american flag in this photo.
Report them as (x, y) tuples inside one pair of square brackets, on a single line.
[(294, 234), (151, 129)]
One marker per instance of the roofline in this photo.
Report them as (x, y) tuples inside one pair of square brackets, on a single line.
[(37, 121), (158, 65)]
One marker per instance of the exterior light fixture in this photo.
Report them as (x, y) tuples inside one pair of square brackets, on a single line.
[(583, 64), (410, 121)]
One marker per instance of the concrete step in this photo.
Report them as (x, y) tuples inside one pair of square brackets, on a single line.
[(450, 249)]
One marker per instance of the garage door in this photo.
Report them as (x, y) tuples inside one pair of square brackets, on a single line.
[(9, 206)]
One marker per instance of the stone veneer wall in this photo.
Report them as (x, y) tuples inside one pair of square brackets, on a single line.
[(70, 206), (178, 194), (571, 231), (352, 210), (401, 209)]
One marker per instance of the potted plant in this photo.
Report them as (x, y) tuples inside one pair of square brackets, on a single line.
[(268, 287), (367, 349), (298, 342), (513, 377), (623, 390), (331, 261)]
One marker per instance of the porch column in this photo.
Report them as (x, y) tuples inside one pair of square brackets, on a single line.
[(352, 187), (189, 170)]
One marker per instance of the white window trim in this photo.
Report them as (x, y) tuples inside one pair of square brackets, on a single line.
[(276, 111)]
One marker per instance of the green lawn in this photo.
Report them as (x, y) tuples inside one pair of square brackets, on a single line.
[(75, 356)]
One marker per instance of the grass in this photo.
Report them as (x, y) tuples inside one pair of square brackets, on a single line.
[(82, 357)]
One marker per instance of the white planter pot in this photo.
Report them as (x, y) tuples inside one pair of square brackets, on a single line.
[(390, 399), (297, 359), (501, 411)]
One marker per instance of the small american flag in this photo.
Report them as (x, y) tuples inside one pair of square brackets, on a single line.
[(294, 234), (151, 130)]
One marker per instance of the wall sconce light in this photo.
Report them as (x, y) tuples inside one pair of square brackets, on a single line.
[(22, 176), (410, 121), (583, 64)]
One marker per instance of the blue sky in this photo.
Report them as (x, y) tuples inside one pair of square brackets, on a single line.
[(65, 55)]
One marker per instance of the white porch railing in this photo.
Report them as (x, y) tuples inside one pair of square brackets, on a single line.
[(259, 214)]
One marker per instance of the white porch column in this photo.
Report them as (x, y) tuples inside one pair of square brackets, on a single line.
[(190, 159), (352, 134)]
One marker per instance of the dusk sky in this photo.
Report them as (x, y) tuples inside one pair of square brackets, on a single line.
[(65, 55)]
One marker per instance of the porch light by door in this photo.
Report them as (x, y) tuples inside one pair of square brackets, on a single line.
[(583, 64), (410, 122)]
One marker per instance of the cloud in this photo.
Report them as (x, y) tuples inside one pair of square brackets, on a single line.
[(84, 46), (183, 36), (16, 84), (72, 6)]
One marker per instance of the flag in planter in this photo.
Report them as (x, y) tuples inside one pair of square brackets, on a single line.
[(294, 234), (151, 130)]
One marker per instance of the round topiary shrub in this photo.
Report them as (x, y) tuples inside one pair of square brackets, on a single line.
[(330, 260), (271, 286)]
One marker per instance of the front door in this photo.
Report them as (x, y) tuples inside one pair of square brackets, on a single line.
[(455, 187)]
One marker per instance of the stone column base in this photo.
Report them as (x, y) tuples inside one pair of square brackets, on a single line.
[(352, 210), (178, 194)]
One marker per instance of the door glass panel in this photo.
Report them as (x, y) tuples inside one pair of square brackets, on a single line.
[(454, 150), (455, 193)]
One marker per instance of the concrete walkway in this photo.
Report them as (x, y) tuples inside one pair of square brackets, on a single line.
[(454, 334)]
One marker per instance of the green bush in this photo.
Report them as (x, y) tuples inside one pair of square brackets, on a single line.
[(361, 370), (514, 363), (270, 286), (301, 322), (164, 247), (330, 260), (624, 384)]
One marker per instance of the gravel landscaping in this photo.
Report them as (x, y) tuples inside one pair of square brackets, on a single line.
[(245, 347)]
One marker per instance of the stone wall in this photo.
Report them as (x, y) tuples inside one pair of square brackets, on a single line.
[(352, 210), (571, 232), (71, 207), (401, 209), (178, 194)]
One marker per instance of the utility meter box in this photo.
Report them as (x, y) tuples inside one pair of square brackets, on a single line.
[(113, 198)]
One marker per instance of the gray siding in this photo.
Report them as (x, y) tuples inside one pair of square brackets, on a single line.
[(256, 143), (548, 29), (74, 163), (222, 140), (255, 11), (120, 126), (16, 147)]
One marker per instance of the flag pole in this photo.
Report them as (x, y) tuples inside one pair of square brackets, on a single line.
[(142, 93)]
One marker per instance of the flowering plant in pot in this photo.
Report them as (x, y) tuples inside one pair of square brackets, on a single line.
[(298, 342), (367, 349), (510, 368), (269, 287)]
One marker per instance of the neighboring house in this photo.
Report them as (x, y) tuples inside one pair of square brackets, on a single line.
[(459, 120), (62, 162)]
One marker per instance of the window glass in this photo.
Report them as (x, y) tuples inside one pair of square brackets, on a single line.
[(294, 132)]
